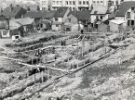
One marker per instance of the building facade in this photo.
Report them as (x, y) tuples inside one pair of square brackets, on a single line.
[(44, 4), (82, 4), (30, 5)]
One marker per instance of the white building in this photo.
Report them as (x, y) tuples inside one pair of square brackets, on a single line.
[(72, 4), (32, 4), (81, 4), (76, 4), (44, 4)]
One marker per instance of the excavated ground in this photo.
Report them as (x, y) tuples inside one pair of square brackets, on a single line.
[(88, 67)]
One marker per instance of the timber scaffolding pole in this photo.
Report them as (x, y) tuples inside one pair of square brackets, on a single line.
[(38, 66)]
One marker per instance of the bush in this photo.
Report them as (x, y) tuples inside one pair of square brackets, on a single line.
[(29, 48), (24, 44)]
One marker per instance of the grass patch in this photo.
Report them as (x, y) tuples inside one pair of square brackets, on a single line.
[(99, 72)]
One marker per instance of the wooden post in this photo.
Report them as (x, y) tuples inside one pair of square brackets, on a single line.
[(27, 74), (34, 77), (48, 74), (42, 75)]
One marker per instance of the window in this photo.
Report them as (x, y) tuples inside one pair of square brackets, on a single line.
[(101, 1), (57, 2), (67, 2), (132, 22), (73, 2), (57, 25), (4, 32), (128, 14), (16, 37), (87, 2), (69, 20), (70, 2), (43, 8), (96, 17), (128, 23), (56, 19), (132, 8), (80, 2), (101, 17), (44, 2), (94, 2), (97, 1), (83, 2)]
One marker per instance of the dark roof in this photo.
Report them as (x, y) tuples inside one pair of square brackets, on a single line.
[(124, 7), (11, 13), (48, 14), (2, 18), (82, 15), (34, 14), (74, 13), (60, 12)]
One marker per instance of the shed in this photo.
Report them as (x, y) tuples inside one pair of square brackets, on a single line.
[(23, 25), (102, 27), (116, 23), (56, 26), (4, 33)]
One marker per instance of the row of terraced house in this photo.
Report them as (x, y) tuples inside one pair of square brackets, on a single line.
[(16, 21)]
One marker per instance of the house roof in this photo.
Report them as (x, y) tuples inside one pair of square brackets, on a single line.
[(13, 25), (15, 10), (74, 13), (80, 14), (84, 15), (16, 23), (48, 14), (99, 9), (117, 21), (60, 12), (124, 7), (56, 23), (34, 14), (45, 21), (2, 18), (24, 21)]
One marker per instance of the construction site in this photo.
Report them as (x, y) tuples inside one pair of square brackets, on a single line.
[(48, 66)]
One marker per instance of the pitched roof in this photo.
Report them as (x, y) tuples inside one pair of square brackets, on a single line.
[(118, 21), (24, 21), (60, 12), (16, 23), (2, 18), (34, 14), (80, 14), (74, 13), (84, 15), (124, 7), (15, 10), (48, 14), (99, 9)]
